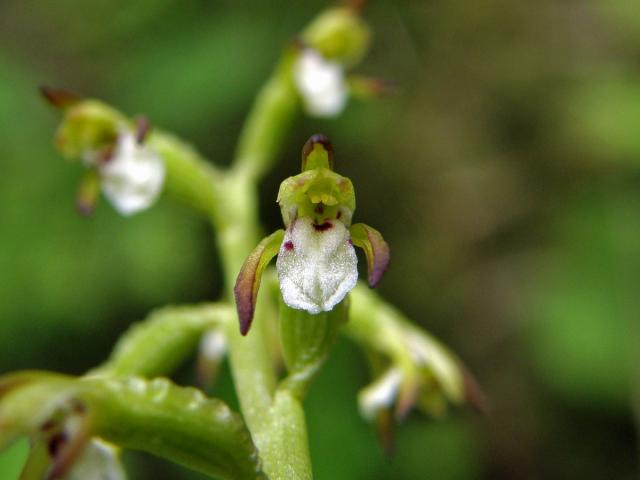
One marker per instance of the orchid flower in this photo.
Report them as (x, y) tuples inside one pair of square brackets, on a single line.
[(64, 447), (119, 161), (130, 174), (133, 176), (317, 263), (321, 84), (381, 394)]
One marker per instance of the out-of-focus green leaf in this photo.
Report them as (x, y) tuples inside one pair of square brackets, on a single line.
[(584, 318), (605, 114)]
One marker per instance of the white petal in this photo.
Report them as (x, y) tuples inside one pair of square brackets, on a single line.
[(316, 268), (98, 461), (321, 84), (380, 394), (133, 177)]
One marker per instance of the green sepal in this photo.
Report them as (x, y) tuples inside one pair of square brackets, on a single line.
[(27, 400), (375, 248), (248, 281), (318, 192), (38, 462), (156, 416), (88, 126), (317, 152), (306, 342), (88, 192)]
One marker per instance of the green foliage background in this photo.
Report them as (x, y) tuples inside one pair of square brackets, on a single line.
[(505, 174)]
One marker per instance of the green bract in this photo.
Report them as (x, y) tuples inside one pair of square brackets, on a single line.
[(339, 34)]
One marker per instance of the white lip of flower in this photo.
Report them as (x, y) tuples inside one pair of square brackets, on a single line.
[(381, 394), (97, 462), (133, 177), (317, 267), (321, 84)]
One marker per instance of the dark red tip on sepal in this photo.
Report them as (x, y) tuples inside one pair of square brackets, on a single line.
[(385, 430), (59, 98), (473, 394), (309, 147), (357, 6), (375, 248), (246, 308), (143, 127), (248, 282)]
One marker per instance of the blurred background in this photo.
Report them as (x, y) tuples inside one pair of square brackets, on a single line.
[(505, 174)]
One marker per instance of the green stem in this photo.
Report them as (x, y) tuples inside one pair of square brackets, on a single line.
[(189, 178), (284, 451), (276, 421), (274, 416), (158, 345)]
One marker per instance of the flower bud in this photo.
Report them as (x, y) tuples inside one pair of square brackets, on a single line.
[(88, 127), (339, 34)]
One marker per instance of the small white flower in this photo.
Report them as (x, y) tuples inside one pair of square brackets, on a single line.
[(321, 84), (381, 394), (317, 265), (133, 176), (98, 461), (213, 345)]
